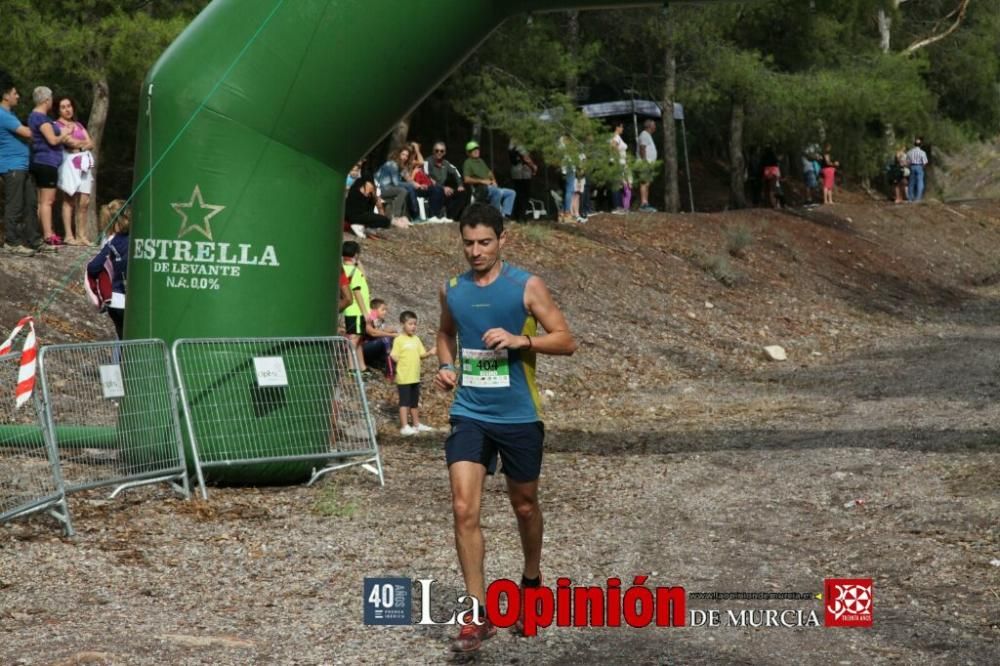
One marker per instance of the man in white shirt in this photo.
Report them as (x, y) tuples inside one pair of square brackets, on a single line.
[(647, 151), (917, 161)]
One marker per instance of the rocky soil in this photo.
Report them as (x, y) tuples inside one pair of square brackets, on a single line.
[(675, 449)]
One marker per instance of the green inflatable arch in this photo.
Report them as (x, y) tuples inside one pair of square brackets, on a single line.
[(250, 121)]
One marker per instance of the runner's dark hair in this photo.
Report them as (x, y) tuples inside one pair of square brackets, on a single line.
[(481, 215)]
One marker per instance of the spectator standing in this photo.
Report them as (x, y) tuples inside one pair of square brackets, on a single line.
[(356, 312), (810, 172), (576, 181), (20, 214), (522, 169), (829, 174), (622, 196), (917, 161), (483, 183), (346, 297), (46, 157), (115, 249), (407, 351), (76, 173), (771, 173), (446, 175), (899, 176), (647, 151), (568, 170)]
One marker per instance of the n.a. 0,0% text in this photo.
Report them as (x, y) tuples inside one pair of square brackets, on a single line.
[(193, 283)]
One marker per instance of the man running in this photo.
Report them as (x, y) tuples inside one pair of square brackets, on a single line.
[(492, 310)]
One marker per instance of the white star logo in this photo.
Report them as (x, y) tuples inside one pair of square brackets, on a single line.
[(204, 227)]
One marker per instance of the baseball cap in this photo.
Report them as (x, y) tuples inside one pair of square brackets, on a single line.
[(472, 145)]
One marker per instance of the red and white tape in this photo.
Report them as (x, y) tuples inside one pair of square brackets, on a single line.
[(26, 368)]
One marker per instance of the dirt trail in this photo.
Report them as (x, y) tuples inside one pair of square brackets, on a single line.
[(680, 453)]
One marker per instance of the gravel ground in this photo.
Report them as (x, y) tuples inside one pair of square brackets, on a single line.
[(871, 453), (274, 575)]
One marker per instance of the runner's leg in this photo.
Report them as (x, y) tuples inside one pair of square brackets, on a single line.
[(524, 499), (467, 480)]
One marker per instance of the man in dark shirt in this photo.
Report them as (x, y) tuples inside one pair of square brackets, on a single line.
[(446, 175)]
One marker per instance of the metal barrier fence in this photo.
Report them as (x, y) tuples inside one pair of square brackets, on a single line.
[(115, 404), (276, 404), (29, 469)]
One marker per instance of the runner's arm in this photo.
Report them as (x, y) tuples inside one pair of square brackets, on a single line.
[(447, 347), (558, 340)]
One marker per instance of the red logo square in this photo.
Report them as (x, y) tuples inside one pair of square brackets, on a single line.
[(847, 602)]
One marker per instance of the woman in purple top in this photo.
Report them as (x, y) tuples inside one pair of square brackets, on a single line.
[(76, 174), (46, 156)]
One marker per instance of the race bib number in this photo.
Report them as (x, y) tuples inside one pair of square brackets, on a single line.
[(485, 368)]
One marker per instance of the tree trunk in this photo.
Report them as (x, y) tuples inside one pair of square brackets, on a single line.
[(671, 192), (885, 43), (400, 133), (737, 168), (95, 126), (573, 42), (884, 30)]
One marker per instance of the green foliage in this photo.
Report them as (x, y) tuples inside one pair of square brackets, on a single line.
[(330, 504), (803, 72), (738, 239), (536, 233), (964, 71), (721, 268), (72, 45)]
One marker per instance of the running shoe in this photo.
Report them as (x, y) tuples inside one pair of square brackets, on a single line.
[(519, 625), (470, 638), (423, 428), (619, 211), (407, 431), (358, 230)]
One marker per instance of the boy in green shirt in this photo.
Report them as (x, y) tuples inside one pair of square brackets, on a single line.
[(357, 311)]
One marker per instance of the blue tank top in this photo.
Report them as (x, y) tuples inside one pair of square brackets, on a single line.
[(494, 386)]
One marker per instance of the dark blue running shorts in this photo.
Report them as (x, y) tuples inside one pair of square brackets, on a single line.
[(519, 446)]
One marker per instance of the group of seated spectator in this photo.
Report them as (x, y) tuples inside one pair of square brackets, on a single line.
[(392, 196)]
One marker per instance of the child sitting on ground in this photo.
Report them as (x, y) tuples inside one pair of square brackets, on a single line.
[(407, 352), (377, 340)]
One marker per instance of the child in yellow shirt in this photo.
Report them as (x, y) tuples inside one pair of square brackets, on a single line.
[(407, 352)]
